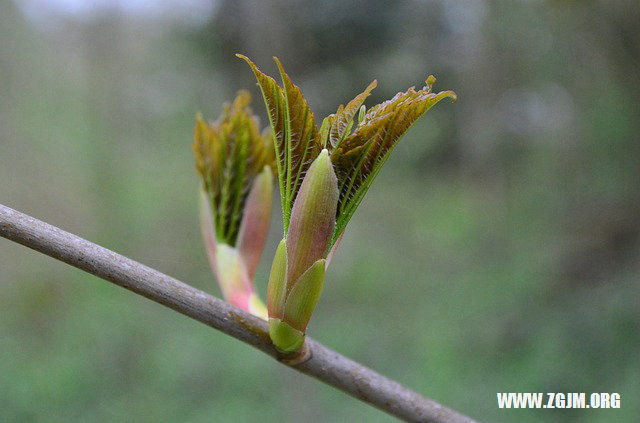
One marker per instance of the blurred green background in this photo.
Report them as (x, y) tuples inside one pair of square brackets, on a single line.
[(498, 250)]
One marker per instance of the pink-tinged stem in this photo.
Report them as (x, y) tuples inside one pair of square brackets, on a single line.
[(228, 267)]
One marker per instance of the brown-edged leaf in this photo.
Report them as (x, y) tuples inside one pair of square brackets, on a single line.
[(359, 157), (275, 101), (303, 138), (229, 154), (343, 119), (297, 139)]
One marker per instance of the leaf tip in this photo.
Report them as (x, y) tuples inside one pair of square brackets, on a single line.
[(280, 67), (430, 81), (452, 95), (246, 59)]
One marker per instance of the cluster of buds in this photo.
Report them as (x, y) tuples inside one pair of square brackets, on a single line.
[(323, 175), (235, 162)]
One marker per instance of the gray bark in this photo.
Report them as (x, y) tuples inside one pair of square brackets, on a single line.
[(316, 360)]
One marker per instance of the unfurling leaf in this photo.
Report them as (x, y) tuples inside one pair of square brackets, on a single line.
[(342, 121), (235, 164), (303, 139), (323, 177), (230, 153), (296, 136), (359, 157)]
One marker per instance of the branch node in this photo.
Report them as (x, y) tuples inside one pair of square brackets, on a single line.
[(298, 357)]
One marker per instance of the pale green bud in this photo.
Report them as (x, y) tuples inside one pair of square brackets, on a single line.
[(297, 272), (312, 218)]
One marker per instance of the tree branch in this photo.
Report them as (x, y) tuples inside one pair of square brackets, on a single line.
[(320, 362)]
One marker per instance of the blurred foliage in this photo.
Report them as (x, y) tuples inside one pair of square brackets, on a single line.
[(510, 261)]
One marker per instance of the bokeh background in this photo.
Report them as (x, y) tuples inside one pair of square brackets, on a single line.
[(498, 250)]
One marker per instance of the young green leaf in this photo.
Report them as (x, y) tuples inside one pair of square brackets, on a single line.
[(321, 190), (229, 154), (235, 164), (303, 138), (296, 137), (275, 101), (343, 118), (359, 157)]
